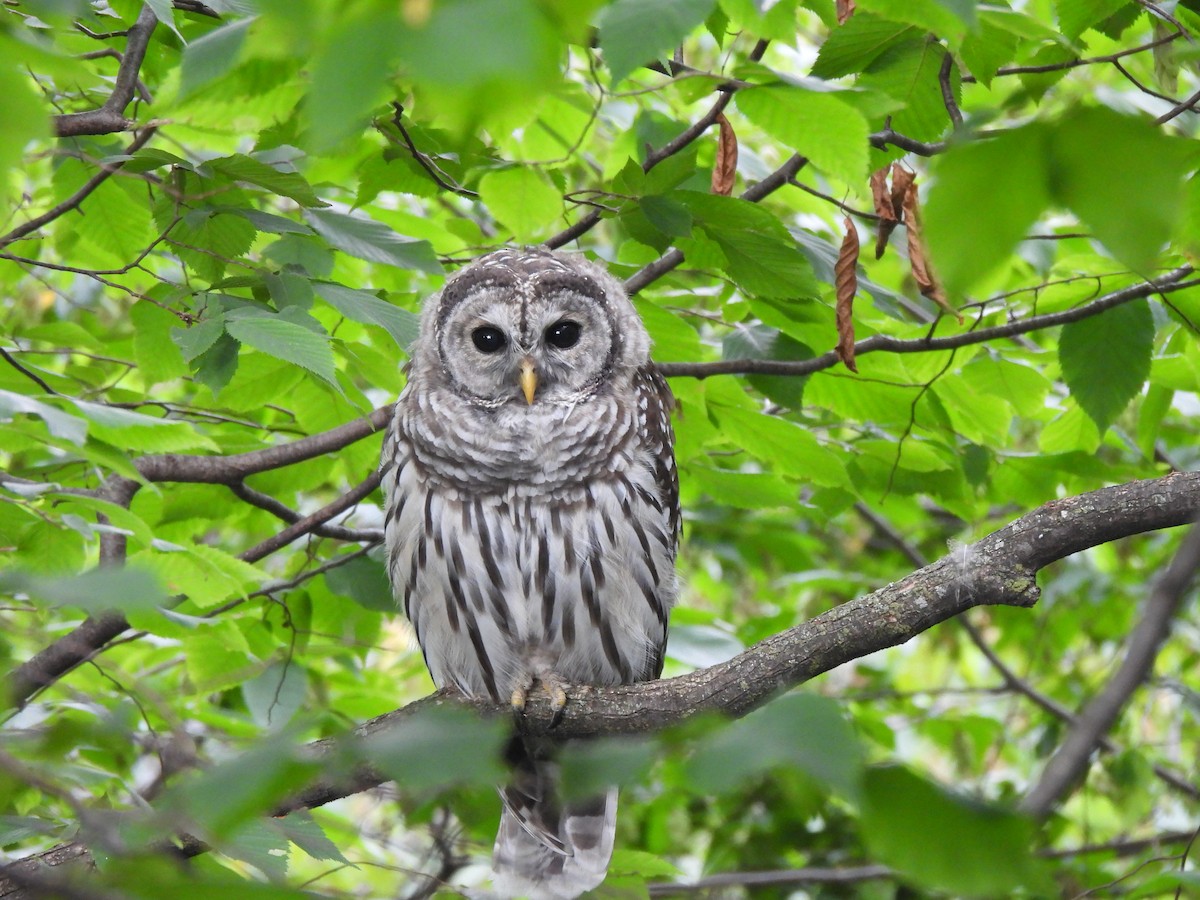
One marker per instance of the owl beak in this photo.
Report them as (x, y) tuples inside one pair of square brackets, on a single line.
[(528, 380)]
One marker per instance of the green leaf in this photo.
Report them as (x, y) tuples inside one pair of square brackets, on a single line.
[(373, 241), (669, 216), (306, 833), (209, 57), (439, 747), (948, 19), (1131, 210), (764, 342), (283, 338), (97, 590), (760, 254), (364, 306), (742, 490), (349, 76), (24, 118), (1105, 359), (850, 48), (217, 657), (986, 195), (240, 167), (365, 581), (276, 694), (909, 73), (788, 447), (135, 431), (944, 842), (633, 33), (521, 200), (821, 126), (1076, 16), (159, 358), (58, 423), (800, 730)]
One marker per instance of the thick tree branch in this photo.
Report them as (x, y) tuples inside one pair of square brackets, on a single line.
[(1068, 765), (111, 116), (1173, 281), (1000, 569)]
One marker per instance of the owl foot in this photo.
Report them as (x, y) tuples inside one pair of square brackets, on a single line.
[(554, 686)]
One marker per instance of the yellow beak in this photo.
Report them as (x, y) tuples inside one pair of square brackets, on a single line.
[(528, 380)]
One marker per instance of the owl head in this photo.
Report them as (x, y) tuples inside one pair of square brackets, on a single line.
[(531, 327)]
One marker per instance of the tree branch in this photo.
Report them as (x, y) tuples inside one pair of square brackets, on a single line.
[(1173, 281), (1068, 765), (999, 569), (111, 116), (75, 200)]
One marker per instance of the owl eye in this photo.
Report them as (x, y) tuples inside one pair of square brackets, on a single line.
[(563, 334), (488, 339)]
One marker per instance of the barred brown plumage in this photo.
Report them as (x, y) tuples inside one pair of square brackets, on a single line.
[(533, 518)]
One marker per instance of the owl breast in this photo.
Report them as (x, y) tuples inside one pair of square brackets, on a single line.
[(516, 549)]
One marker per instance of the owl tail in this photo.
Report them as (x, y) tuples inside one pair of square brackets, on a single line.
[(546, 850)]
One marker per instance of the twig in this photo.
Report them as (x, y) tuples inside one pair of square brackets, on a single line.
[(76, 199), (422, 160), (1065, 769), (111, 116), (948, 90), (780, 878), (1172, 281), (674, 257), (281, 511), (1185, 106), (654, 157), (32, 376)]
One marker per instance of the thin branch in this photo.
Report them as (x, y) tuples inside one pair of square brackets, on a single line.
[(674, 257), (654, 157), (111, 116), (1173, 281), (1187, 105), (1068, 765), (1091, 60), (75, 200), (281, 511), (95, 632), (32, 376), (947, 87), (881, 139), (424, 161)]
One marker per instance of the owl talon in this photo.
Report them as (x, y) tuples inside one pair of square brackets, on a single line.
[(518, 698)]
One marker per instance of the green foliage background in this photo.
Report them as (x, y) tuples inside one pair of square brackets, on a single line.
[(303, 172)]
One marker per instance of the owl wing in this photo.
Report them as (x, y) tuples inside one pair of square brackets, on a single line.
[(654, 405)]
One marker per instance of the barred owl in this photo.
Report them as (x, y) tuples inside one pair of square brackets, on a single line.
[(532, 520)]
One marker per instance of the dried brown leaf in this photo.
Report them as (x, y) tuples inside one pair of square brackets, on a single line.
[(725, 167), (902, 181), (845, 9), (888, 215), (918, 257), (845, 281)]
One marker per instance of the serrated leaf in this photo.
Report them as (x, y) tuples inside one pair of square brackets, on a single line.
[(284, 339), (373, 241), (909, 73), (1105, 359), (633, 33), (24, 114), (306, 833), (852, 47), (948, 19), (58, 423), (364, 306), (1076, 16), (209, 57), (240, 167), (97, 590), (743, 490), (786, 446), (276, 694), (818, 125), (135, 431), (760, 254), (521, 200)]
